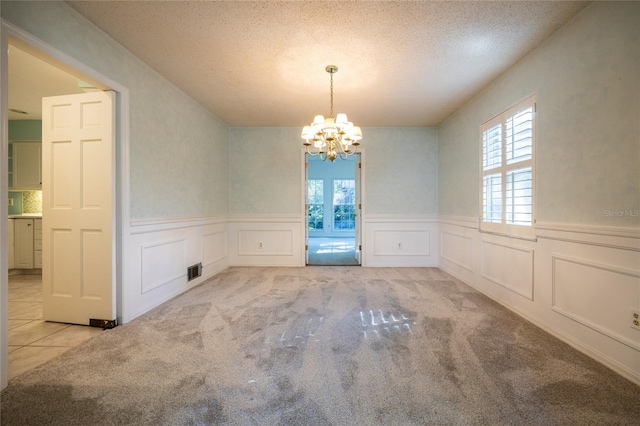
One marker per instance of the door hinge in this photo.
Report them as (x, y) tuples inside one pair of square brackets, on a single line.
[(102, 323), (306, 247), (360, 206), (359, 165), (306, 165), (360, 247)]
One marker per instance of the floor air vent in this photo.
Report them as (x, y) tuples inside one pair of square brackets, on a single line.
[(194, 271)]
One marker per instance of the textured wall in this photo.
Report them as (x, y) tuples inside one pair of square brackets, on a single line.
[(265, 170), (400, 170), (178, 150), (586, 78)]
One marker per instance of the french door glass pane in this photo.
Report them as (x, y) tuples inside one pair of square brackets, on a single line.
[(344, 209), (316, 203)]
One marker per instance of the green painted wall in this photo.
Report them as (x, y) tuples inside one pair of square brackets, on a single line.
[(25, 130)]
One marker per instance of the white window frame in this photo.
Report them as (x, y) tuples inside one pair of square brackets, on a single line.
[(503, 227)]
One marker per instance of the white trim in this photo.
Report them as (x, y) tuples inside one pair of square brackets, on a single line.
[(400, 218), (604, 236), (266, 218), (143, 226), (463, 221), (4, 208), (611, 231), (303, 214)]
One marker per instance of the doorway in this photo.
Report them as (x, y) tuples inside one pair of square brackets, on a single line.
[(333, 201), (85, 79)]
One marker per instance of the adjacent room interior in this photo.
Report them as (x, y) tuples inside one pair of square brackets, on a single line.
[(464, 249)]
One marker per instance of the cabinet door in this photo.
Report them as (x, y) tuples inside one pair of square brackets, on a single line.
[(37, 243), (10, 245), (23, 244), (27, 165)]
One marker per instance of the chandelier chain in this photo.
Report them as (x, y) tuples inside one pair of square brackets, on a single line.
[(331, 108)]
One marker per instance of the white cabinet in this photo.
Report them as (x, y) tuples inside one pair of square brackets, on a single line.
[(37, 243), (26, 236), (27, 165), (10, 245), (23, 243)]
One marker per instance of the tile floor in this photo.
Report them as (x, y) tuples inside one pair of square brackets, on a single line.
[(33, 341)]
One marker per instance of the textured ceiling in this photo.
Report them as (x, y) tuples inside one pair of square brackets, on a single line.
[(262, 63)]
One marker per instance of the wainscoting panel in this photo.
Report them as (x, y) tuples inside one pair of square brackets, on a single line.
[(598, 296), (399, 241), (159, 253), (580, 285), (270, 240), (457, 249), (265, 242), (162, 263), (409, 242), (214, 247), (509, 266)]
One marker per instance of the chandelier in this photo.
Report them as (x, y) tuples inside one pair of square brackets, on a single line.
[(331, 138)]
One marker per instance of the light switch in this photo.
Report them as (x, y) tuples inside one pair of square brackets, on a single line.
[(10, 201)]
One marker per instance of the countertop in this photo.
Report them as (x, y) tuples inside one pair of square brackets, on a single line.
[(25, 216)]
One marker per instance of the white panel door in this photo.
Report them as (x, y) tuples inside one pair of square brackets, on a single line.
[(78, 236)]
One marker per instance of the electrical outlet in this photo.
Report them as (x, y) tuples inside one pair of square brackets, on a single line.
[(10, 201), (260, 246), (399, 246), (635, 318)]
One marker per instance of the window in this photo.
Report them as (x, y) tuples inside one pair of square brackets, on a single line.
[(315, 200), (344, 208), (507, 171)]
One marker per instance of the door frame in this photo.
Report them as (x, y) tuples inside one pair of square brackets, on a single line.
[(303, 214), (121, 211)]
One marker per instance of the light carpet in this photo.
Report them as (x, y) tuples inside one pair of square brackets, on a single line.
[(323, 346)]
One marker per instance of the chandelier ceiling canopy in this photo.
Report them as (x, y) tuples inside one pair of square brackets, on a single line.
[(331, 137)]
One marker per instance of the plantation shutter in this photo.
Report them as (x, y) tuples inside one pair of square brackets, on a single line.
[(507, 171)]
